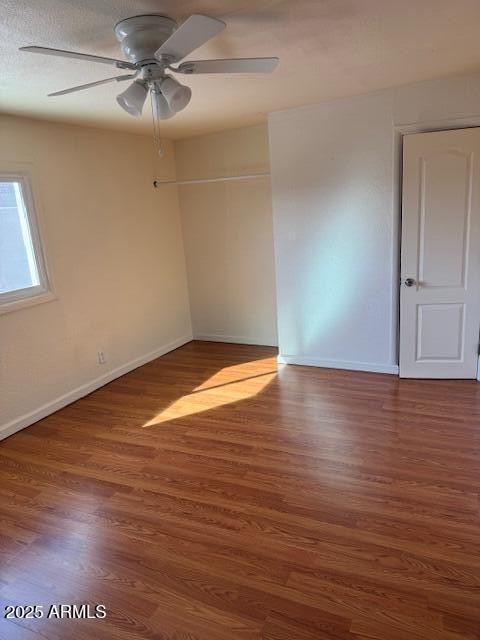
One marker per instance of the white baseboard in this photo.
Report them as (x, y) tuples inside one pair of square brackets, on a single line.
[(67, 398), (338, 364), (209, 337)]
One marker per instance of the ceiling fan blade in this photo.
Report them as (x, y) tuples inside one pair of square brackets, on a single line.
[(234, 65), (121, 64), (81, 87), (194, 32)]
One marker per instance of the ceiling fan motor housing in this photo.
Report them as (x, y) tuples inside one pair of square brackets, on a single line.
[(142, 36)]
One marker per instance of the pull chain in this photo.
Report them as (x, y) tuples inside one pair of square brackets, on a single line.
[(158, 150), (157, 140)]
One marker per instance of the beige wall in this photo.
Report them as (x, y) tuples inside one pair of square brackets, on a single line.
[(228, 236), (114, 248)]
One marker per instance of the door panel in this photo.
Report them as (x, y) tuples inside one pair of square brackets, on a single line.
[(440, 311), (444, 216), (440, 332)]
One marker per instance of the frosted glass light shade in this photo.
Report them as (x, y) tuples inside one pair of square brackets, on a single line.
[(176, 94), (161, 110), (133, 98)]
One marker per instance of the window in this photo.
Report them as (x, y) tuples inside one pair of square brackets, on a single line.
[(23, 275)]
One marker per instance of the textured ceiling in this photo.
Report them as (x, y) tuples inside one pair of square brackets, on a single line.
[(327, 49)]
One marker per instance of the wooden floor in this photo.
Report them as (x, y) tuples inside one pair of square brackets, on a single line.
[(209, 496)]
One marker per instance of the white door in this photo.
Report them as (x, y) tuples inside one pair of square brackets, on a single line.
[(440, 257)]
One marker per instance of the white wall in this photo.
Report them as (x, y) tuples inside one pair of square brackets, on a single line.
[(114, 248), (335, 182), (228, 236)]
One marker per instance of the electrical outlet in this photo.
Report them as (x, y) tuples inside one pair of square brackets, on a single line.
[(101, 358)]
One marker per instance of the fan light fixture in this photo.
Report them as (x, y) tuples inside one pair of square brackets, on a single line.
[(160, 108), (176, 94), (133, 98)]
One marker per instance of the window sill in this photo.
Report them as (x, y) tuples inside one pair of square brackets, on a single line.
[(22, 303)]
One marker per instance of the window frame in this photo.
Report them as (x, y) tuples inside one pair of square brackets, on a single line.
[(43, 292)]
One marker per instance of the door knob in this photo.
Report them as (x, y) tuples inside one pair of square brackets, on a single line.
[(410, 282)]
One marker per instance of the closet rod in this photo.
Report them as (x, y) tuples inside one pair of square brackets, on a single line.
[(248, 176)]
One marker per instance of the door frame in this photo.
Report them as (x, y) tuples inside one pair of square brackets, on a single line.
[(399, 131)]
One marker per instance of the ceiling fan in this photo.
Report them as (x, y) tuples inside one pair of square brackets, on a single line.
[(152, 44)]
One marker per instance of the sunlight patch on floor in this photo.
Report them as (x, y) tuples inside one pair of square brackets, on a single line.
[(231, 384)]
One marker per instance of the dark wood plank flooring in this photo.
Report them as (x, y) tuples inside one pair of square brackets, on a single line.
[(210, 496)]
